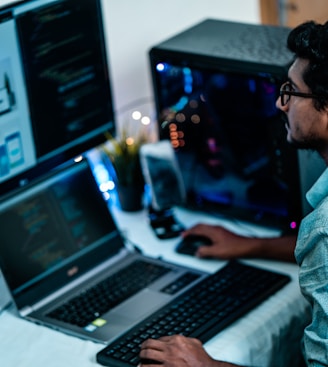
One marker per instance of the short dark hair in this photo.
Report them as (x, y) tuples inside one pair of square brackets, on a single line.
[(309, 41)]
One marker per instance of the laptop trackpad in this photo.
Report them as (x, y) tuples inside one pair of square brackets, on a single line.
[(142, 304)]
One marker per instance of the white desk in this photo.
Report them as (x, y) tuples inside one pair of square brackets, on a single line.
[(268, 336)]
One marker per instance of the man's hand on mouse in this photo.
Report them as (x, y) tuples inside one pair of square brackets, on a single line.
[(225, 244)]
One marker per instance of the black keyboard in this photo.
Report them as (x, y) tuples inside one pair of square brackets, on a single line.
[(200, 312), (94, 302)]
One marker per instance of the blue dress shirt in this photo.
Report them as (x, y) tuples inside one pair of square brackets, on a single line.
[(311, 254)]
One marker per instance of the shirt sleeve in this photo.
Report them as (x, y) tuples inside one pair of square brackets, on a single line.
[(314, 284)]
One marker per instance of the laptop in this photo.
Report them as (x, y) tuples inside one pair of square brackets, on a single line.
[(58, 240)]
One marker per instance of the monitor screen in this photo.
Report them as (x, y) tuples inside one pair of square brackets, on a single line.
[(230, 141), (55, 95)]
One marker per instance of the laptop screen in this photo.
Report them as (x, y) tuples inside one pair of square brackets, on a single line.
[(57, 228)]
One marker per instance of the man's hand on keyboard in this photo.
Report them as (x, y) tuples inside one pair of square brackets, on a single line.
[(176, 351)]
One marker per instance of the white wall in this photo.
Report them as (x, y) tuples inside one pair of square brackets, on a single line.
[(133, 26)]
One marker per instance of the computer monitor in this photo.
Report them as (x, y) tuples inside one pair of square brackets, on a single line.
[(55, 90), (215, 86)]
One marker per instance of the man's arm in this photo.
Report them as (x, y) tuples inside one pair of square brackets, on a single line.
[(228, 245)]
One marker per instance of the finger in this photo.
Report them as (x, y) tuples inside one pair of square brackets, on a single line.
[(166, 338), (177, 339), (152, 344), (197, 229), (152, 356), (206, 251)]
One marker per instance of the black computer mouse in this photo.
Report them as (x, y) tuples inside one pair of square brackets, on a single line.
[(190, 244)]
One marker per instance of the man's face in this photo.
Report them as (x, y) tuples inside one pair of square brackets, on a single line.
[(307, 128)]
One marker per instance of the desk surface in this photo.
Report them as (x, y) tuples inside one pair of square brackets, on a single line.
[(267, 336)]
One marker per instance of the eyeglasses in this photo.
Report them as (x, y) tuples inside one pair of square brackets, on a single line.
[(287, 90)]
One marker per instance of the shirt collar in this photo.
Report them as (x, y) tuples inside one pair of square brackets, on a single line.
[(319, 190)]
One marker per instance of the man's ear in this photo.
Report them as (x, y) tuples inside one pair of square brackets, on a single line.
[(326, 114)]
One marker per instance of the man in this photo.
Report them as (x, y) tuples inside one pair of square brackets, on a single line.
[(304, 100)]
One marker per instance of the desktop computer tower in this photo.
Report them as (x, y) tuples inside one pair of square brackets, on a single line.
[(215, 88)]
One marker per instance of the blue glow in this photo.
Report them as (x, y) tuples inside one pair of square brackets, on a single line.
[(186, 71), (188, 80), (101, 174), (181, 103), (252, 85), (161, 67), (188, 88)]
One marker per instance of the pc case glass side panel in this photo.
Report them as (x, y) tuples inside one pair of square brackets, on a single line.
[(230, 141)]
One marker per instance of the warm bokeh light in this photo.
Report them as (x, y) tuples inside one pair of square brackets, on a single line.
[(195, 119), (129, 141), (174, 134), (180, 117)]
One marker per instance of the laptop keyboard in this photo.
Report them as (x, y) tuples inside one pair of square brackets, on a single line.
[(200, 312), (94, 302)]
